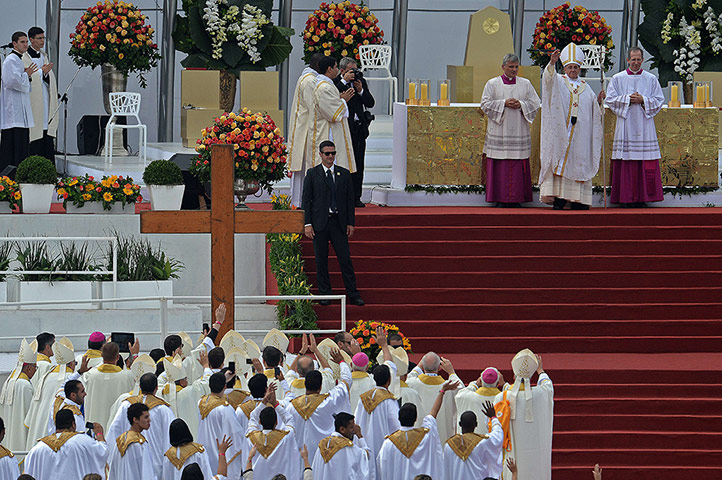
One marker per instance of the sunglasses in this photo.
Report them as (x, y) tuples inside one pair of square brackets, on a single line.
[(328, 154)]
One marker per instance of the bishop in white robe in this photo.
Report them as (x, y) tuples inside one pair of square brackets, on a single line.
[(276, 448), (130, 456), (339, 453), (477, 393), (571, 134), (183, 452), (104, 384), (15, 398), (510, 104), (472, 455), (362, 381), (635, 97)]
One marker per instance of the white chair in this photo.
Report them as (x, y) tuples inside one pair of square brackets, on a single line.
[(378, 57), (124, 104)]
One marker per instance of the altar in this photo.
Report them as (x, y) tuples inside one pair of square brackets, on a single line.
[(443, 145)]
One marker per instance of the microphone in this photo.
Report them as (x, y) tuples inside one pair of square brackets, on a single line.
[(9, 45)]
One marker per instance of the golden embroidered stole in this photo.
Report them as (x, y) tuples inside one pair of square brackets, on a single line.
[(4, 452), (92, 353), (299, 383), (488, 391), (128, 438), (178, 455), (107, 368), (407, 440), (60, 404), (373, 398), (330, 446), (209, 402), (166, 388), (151, 400), (305, 405), (237, 397), (266, 443), (431, 379), (248, 407), (464, 444), (56, 442), (357, 375)]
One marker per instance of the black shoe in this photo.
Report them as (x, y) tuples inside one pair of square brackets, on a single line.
[(641, 205), (325, 303), (358, 301), (359, 204), (498, 205), (514, 205), (579, 206), (560, 203)]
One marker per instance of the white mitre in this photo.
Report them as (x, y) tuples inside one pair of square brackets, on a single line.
[(325, 347), (26, 354), (64, 354), (142, 365), (230, 340), (400, 358), (276, 338), (571, 55), (524, 364), (238, 356), (187, 343), (251, 349), (174, 371)]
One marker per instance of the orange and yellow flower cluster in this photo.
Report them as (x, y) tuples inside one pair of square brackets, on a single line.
[(9, 191), (562, 25), (337, 30), (365, 334), (114, 32), (259, 149), (109, 189)]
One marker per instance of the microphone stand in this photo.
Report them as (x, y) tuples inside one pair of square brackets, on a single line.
[(63, 100)]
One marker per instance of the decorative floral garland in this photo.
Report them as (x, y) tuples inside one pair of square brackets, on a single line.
[(247, 31)]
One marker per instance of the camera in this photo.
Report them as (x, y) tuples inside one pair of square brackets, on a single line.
[(357, 74)]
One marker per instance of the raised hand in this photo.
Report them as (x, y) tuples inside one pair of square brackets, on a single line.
[(554, 57), (336, 356), (304, 345), (447, 366), (511, 465), (312, 341), (221, 313), (597, 472), (84, 364), (257, 365), (224, 444), (381, 339), (203, 359), (449, 385), (488, 409)]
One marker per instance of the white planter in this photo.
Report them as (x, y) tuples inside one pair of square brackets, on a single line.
[(3, 291), (5, 208), (37, 198), (88, 207), (45, 291), (118, 207), (163, 288), (166, 197)]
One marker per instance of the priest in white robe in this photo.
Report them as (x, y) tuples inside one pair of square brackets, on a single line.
[(345, 450), (408, 394), (15, 398), (43, 97), (257, 385), (72, 398), (276, 448), (9, 466), (425, 379), (161, 417), (329, 117), (412, 451), (532, 418), (130, 456), (66, 453), (472, 455), (510, 104), (181, 397), (571, 133), (477, 393), (183, 452), (45, 362), (635, 97), (301, 128)]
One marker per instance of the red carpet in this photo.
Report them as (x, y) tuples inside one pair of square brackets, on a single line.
[(624, 306)]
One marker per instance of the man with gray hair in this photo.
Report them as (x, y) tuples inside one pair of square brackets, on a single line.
[(510, 104), (425, 379)]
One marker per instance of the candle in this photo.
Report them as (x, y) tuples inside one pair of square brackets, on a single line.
[(675, 93), (700, 94), (412, 90), (444, 95), (424, 91), (706, 93)]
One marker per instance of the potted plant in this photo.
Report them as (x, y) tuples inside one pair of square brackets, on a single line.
[(9, 195), (36, 176), (6, 251), (165, 183), (112, 194)]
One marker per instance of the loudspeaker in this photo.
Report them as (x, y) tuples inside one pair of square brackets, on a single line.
[(91, 133)]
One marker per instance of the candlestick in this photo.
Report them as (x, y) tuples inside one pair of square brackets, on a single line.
[(700, 101), (424, 92), (443, 93), (411, 98), (675, 94)]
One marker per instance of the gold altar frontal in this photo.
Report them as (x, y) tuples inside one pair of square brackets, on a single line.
[(444, 145)]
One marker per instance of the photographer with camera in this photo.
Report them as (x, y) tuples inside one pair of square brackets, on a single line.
[(359, 118)]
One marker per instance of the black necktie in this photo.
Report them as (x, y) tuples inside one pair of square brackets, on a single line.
[(332, 188)]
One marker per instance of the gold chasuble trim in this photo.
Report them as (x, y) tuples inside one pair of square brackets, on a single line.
[(92, 353), (209, 402), (237, 397), (488, 391), (373, 398), (431, 379), (266, 443), (463, 445), (166, 388), (356, 375), (407, 440), (41, 357), (107, 368), (56, 405), (4, 452), (56, 442), (270, 373), (249, 406), (330, 446), (177, 456), (299, 383), (128, 438), (305, 405), (150, 400)]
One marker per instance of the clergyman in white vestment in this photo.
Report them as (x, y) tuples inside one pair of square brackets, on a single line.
[(477, 393), (43, 97), (183, 452), (9, 466), (276, 448), (104, 384), (130, 456), (15, 398), (345, 450), (472, 455)]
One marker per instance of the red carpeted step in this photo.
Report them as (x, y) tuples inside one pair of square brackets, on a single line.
[(613, 439), (637, 471), (612, 390), (624, 422), (709, 457)]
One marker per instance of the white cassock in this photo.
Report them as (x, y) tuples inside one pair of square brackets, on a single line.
[(218, 419), (531, 441), (409, 395), (337, 453), (176, 459), (297, 385), (472, 398), (14, 404), (184, 404), (329, 121), (59, 403), (411, 451), (130, 458), (277, 450), (158, 435), (428, 387), (43, 98), (300, 128), (378, 416), (471, 455), (16, 111), (42, 403), (9, 467), (66, 455), (104, 384), (362, 383), (312, 415)]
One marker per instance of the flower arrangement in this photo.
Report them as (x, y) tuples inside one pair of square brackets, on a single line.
[(260, 151), (365, 334), (337, 30), (683, 37), (109, 189), (562, 25), (286, 260), (231, 35), (9, 192), (114, 32)]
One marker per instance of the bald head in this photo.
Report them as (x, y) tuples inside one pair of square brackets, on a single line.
[(305, 365), (467, 422), (430, 362)]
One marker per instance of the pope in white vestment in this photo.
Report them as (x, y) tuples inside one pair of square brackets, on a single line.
[(473, 397), (104, 384), (15, 398), (339, 453), (471, 455), (571, 134), (300, 128), (276, 448)]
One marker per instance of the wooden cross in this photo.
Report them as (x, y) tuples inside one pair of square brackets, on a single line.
[(222, 222)]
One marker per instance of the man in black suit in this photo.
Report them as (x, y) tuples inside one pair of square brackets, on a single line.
[(328, 205), (358, 124)]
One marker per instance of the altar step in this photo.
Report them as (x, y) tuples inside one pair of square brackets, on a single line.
[(623, 305)]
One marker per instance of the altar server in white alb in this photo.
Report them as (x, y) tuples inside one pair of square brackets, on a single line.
[(571, 133), (43, 97), (71, 397), (130, 456), (635, 97), (16, 395), (9, 466), (477, 393), (329, 117), (183, 452), (471, 455), (344, 451), (532, 417), (510, 104)]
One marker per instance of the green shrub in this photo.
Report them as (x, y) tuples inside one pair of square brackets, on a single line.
[(38, 170), (162, 172), (139, 261)]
